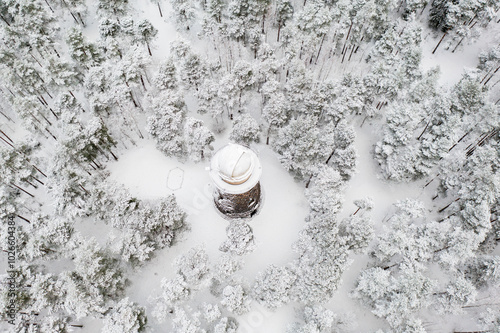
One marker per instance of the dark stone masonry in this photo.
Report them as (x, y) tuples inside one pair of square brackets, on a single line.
[(238, 205)]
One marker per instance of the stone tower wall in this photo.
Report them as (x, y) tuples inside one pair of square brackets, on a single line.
[(238, 205)]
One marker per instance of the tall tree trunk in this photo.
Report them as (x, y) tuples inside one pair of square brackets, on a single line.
[(320, 47), (159, 9), (7, 142), (23, 218), (49, 6), (460, 42), (6, 136), (8, 118), (34, 166), (347, 37), (433, 51), (28, 193), (309, 181)]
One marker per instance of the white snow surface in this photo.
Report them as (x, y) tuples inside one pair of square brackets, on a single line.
[(144, 171)]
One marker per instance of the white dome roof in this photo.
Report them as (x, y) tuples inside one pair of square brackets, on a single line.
[(235, 169), (235, 164)]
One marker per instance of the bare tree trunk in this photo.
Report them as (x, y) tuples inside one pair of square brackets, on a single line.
[(6, 136), (23, 218), (347, 37), (425, 128), (309, 181), (8, 118), (159, 9), (7, 142), (39, 171), (448, 205), (439, 43), (468, 132), (460, 42), (49, 6), (320, 47), (350, 55), (28, 193)]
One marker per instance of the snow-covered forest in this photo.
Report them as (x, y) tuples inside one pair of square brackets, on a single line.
[(377, 123)]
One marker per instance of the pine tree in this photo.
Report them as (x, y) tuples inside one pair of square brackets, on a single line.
[(166, 124), (302, 146), (245, 130), (126, 317), (272, 287), (235, 298), (197, 139), (145, 33), (240, 239)]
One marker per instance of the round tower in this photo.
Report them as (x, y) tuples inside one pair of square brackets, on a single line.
[(235, 171)]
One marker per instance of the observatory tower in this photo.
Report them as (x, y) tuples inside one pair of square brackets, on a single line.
[(235, 171)]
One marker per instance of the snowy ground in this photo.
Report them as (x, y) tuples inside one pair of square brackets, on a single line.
[(149, 174), (145, 172)]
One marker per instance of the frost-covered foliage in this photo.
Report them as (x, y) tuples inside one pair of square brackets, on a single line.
[(97, 277), (176, 134), (325, 242), (126, 317), (302, 146), (273, 287), (165, 125), (144, 226), (396, 298), (239, 238), (197, 139), (193, 266), (421, 132), (192, 272), (245, 130), (236, 299), (80, 80), (321, 320)]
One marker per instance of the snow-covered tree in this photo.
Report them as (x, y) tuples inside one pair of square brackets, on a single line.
[(325, 195), (302, 146), (166, 77), (318, 319), (197, 139), (245, 130), (183, 323), (145, 33), (184, 13), (193, 266), (272, 288), (458, 294), (173, 291), (236, 299), (126, 317), (84, 53), (239, 238), (166, 124), (395, 298), (226, 325)]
